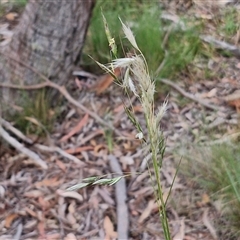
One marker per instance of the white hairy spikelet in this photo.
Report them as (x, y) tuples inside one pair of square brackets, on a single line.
[(132, 86), (122, 62), (161, 112), (129, 35)]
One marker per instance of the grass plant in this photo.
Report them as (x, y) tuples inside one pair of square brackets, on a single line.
[(12, 5), (158, 40), (137, 81), (217, 170), (230, 22), (36, 116)]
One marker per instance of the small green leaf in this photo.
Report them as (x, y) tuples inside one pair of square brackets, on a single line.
[(78, 186), (103, 181), (115, 180), (90, 179)]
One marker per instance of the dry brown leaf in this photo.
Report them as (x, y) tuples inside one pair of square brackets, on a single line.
[(76, 129), (118, 109), (181, 233), (30, 212), (104, 82), (236, 104), (70, 194), (205, 200), (71, 219), (210, 94), (109, 229), (98, 147), (49, 182), (78, 149), (70, 236), (208, 224), (126, 161), (11, 16), (53, 236), (61, 165), (43, 203), (147, 211), (41, 230), (9, 219), (33, 194)]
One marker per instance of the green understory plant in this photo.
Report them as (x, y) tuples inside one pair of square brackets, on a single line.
[(36, 116), (164, 47), (217, 170)]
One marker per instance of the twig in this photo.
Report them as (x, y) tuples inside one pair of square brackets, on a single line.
[(40, 147), (61, 152), (18, 234), (190, 96), (121, 198), (17, 145), (14, 130), (222, 45), (62, 90)]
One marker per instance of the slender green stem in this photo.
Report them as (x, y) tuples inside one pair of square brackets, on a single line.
[(161, 204)]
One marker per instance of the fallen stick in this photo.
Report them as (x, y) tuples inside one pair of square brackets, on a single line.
[(61, 152), (121, 198), (17, 145), (40, 147), (62, 90), (221, 45), (189, 95)]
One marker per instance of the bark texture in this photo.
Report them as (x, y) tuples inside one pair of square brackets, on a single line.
[(49, 38)]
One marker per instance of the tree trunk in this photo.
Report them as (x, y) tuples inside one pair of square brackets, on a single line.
[(49, 38)]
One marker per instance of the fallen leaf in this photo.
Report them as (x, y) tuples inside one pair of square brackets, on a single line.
[(118, 109), (54, 236), (205, 198), (69, 194), (208, 224), (211, 93), (147, 211), (31, 212), (41, 229), (9, 219), (104, 82), (33, 194), (78, 149), (76, 129), (126, 161), (109, 229), (49, 182), (181, 233), (11, 16), (43, 203), (61, 165), (70, 236), (98, 147)]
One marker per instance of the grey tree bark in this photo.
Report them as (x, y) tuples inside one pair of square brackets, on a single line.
[(48, 38)]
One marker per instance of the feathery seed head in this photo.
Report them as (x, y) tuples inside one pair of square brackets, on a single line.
[(122, 62), (129, 35), (161, 112)]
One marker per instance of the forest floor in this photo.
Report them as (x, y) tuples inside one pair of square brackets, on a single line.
[(35, 204)]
